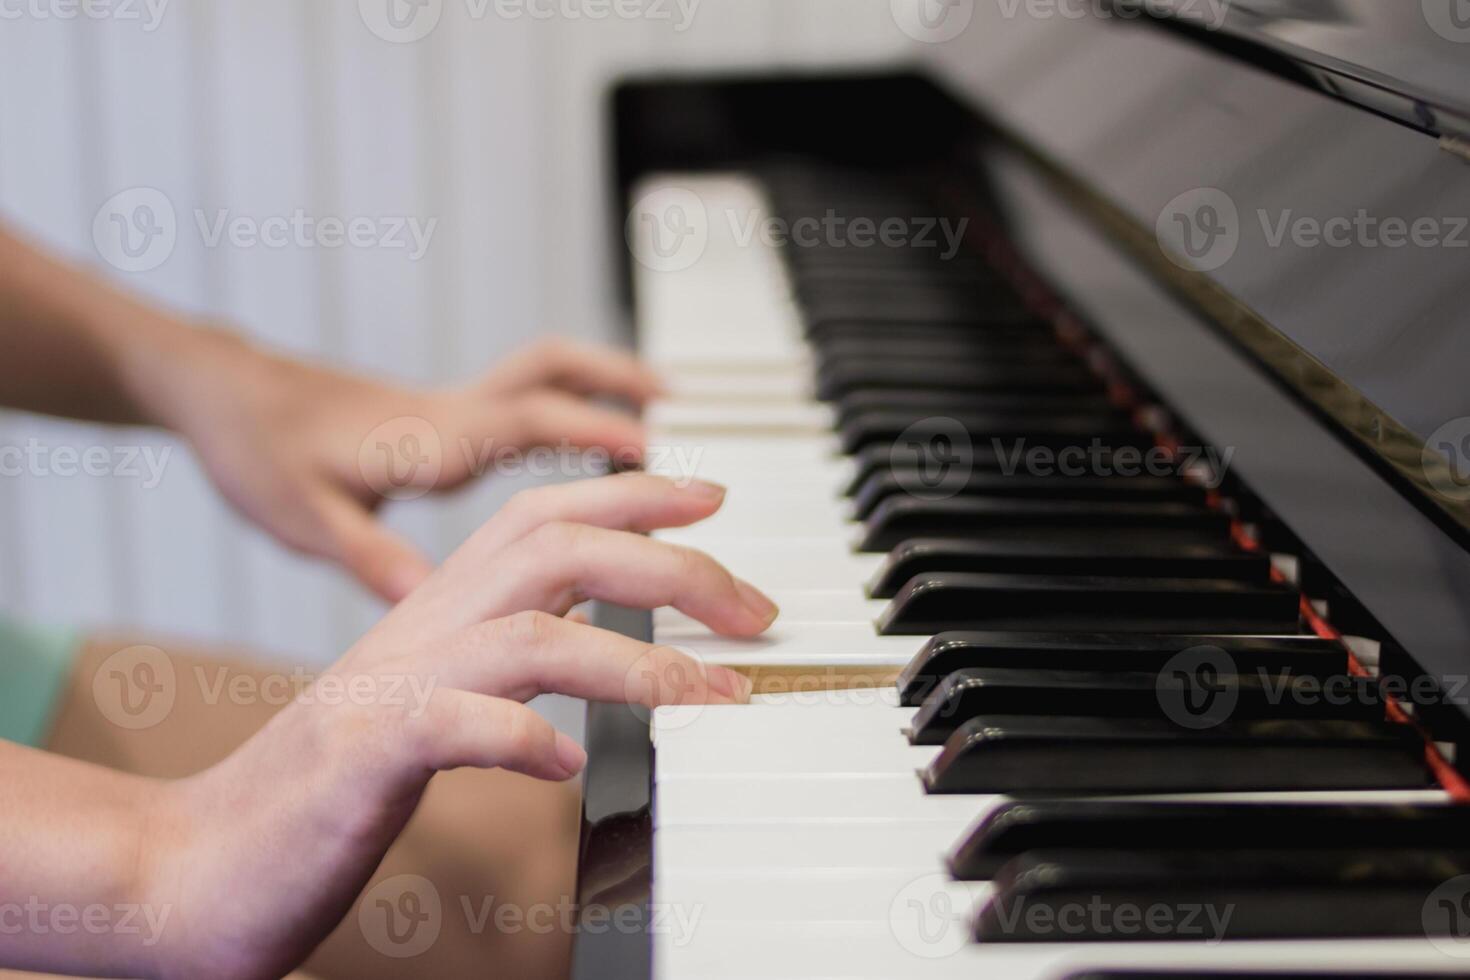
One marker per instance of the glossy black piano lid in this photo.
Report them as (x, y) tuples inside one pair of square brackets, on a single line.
[(1295, 203), (1406, 60)]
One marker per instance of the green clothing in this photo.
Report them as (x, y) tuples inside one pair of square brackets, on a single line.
[(35, 662)]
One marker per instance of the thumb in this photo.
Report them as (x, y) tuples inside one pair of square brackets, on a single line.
[(376, 556)]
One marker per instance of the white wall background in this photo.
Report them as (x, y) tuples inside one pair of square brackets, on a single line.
[(262, 107)]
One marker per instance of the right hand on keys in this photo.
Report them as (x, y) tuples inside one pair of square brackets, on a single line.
[(263, 854)]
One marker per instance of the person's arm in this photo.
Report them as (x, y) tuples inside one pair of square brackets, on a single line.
[(72, 844), (241, 870), (306, 452), (71, 345)]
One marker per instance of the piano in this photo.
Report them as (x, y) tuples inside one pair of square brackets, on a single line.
[(1091, 397)]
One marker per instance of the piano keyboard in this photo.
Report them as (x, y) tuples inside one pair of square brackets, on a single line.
[(978, 635)]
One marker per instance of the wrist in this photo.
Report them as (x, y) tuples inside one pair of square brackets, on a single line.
[(257, 858), (173, 377), (162, 850)]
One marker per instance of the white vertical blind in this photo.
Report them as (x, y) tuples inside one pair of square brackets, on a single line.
[(490, 125)]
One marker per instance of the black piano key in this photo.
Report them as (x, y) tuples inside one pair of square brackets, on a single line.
[(817, 292), (1017, 432), (974, 600), (917, 288), (917, 308), (813, 263), (1159, 559), (810, 191), (898, 519), (1101, 825), (942, 655), (1062, 755), (840, 197), (879, 459), (808, 187), (816, 265), (970, 482), (817, 252), (979, 691), (969, 345), (835, 250), (995, 328), (921, 404), (904, 359), (956, 376), (941, 276), (817, 273), (986, 456), (1077, 896)]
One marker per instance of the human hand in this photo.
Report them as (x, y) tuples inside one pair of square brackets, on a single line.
[(310, 454), (262, 855)]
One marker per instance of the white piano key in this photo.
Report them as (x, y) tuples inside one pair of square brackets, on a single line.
[(720, 950), (692, 419), (682, 464), (768, 515), (809, 951), (759, 460), (874, 721), (814, 645), (821, 798), (859, 696), (717, 384), (728, 304), (798, 607), (814, 755), (913, 846), (789, 563), (816, 476), (691, 947), (804, 894)]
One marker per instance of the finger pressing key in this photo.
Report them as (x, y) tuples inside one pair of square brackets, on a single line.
[(534, 653), (560, 565)]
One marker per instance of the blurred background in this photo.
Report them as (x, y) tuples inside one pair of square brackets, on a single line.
[(478, 121)]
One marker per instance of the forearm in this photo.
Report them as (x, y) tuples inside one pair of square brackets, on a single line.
[(75, 884), (72, 345)]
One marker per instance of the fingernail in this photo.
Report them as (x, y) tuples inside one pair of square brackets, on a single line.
[(569, 755), (706, 489), (731, 684), (757, 602)]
